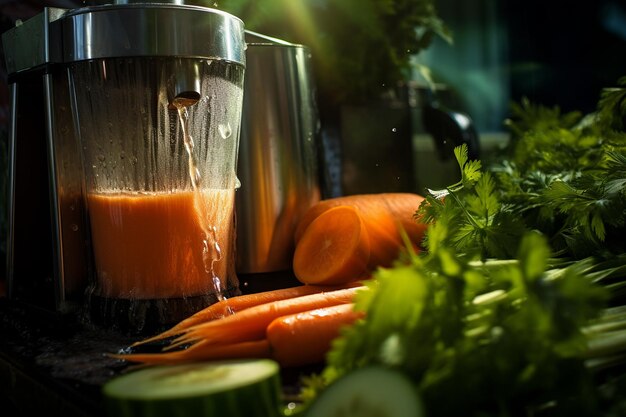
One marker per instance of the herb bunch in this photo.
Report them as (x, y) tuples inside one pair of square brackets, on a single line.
[(506, 312)]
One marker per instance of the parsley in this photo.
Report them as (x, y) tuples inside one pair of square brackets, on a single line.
[(516, 308), (565, 175), (503, 339)]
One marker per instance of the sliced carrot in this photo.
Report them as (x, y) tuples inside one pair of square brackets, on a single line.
[(203, 351), (334, 249), (250, 324), (384, 217), (305, 338), (402, 206), (236, 304)]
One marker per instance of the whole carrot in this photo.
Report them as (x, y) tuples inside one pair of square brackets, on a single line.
[(305, 338), (251, 324), (236, 304), (202, 351), (292, 340)]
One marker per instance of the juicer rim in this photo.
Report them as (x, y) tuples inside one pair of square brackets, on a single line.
[(105, 7)]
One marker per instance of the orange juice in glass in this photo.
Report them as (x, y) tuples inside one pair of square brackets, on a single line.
[(160, 181)]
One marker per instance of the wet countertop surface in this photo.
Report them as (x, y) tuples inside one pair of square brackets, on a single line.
[(56, 365)]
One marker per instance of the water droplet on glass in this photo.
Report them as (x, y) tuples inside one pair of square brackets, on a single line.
[(74, 227), (393, 129), (101, 158), (225, 130)]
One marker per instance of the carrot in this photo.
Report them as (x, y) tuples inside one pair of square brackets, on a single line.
[(401, 206), (203, 351), (236, 304), (383, 216), (250, 324), (334, 249), (305, 338), (292, 340)]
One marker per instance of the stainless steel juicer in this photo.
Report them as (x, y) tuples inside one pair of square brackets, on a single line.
[(49, 240)]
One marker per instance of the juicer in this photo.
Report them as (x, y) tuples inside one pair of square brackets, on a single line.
[(95, 97)]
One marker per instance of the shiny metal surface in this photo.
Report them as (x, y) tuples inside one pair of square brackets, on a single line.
[(185, 87), (148, 1), (277, 156), (34, 42), (168, 30)]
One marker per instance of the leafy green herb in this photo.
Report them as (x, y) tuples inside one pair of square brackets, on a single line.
[(565, 175), (501, 338), (505, 313)]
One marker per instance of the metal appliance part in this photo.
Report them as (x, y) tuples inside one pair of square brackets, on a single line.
[(277, 163)]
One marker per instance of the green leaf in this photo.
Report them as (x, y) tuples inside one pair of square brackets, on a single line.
[(533, 255)]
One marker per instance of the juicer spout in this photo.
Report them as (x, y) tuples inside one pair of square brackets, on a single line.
[(184, 88)]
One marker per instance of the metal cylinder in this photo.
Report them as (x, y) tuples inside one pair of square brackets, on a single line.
[(156, 30), (277, 156)]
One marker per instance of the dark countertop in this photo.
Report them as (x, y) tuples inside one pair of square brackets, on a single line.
[(55, 365)]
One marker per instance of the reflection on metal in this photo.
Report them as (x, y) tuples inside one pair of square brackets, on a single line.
[(277, 158)]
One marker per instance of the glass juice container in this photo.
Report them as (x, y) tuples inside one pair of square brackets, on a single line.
[(157, 98)]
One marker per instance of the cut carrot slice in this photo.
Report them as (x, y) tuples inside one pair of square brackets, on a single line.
[(402, 206), (334, 249), (385, 216)]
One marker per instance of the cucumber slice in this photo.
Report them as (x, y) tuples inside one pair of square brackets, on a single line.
[(372, 391), (247, 388)]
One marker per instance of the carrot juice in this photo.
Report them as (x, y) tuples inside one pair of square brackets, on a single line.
[(162, 245)]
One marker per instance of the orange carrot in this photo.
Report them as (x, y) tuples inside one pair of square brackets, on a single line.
[(250, 324), (203, 351), (334, 249), (236, 304), (382, 215), (292, 340), (305, 338), (401, 206)]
